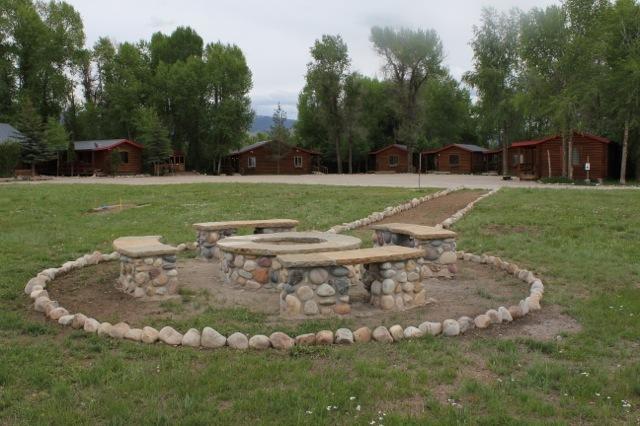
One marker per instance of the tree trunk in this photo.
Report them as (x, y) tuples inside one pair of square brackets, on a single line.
[(33, 169), (505, 155), (625, 149), (338, 159), (350, 156), (564, 154), (570, 155)]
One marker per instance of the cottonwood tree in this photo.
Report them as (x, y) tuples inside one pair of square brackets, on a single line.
[(279, 135), (621, 29), (324, 88), (495, 75), (411, 57), (151, 133)]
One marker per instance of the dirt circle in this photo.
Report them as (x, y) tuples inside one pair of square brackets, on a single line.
[(91, 290)]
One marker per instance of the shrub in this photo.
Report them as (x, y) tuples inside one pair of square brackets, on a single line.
[(9, 158)]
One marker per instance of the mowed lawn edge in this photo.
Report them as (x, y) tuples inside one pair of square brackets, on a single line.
[(47, 375)]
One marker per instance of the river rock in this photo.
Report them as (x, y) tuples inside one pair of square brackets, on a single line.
[(304, 293), (448, 257), (191, 338), (210, 338), (515, 311), (91, 325), (342, 309), (482, 321), (432, 328), (494, 316), (280, 340), (293, 304), (450, 328), (504, 314), (524, 307), (466, 323), (412, 332), (149, 335), (104, 329), (238, 341), (344, 336), (40, 302), (362, 335), (259, 341), (325, 290), (324, 337), (65, 319), (78, 321), (170, 336), (119, 330), (56, 313), (318, 276), (306, 339), (396, 332), (311, 308), (388, 286), (250, 265), (533, 303), (134, 334), (381, 334)]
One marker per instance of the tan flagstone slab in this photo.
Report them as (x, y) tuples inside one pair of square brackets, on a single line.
[(288, 243), (145, 246), (269, 223), (419, 232), (350, 257)]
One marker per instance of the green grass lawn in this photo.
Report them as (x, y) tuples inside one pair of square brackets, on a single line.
[(584, 244)]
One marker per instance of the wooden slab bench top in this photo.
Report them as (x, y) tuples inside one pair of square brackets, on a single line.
[(146, 246), (350, 257), (419, 232), (269, 223)]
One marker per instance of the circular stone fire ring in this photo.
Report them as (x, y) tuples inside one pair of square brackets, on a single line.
[(250, 260)]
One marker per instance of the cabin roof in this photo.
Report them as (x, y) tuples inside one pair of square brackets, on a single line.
[(394, 145), (102, 144)]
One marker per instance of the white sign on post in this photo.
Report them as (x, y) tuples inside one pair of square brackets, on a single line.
[(587, 166)]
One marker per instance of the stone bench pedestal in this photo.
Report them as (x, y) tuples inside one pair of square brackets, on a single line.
[(322, 283), (438, 246), (209, 233), (147, 266)]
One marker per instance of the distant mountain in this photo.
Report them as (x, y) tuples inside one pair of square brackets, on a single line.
[(262, 123)]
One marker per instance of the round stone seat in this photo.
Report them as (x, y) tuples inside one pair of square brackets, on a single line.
[(250, 260)]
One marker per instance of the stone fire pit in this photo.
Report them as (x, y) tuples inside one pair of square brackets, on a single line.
[(249, 261)]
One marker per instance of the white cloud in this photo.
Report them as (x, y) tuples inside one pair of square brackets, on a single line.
[(276, 35)]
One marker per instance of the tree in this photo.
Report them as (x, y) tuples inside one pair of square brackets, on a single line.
[(324, 88), (151, 133), (622, 52), (353, 130), (279, 134), (495, 75), (411, 58), (9, 157), (229, 114), (56, 139), (33, 147)]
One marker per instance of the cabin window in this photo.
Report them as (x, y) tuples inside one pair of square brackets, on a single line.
[(297, 162), (454, 160), (394, 160), (251, 162), (575, 156), (124, 157)]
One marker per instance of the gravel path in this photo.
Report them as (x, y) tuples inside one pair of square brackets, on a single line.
[(404, 180)]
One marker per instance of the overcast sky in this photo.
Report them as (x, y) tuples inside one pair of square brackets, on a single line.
[(276, 35)]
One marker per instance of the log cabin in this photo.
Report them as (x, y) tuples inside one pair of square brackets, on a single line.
[(456, 158), (94, 157), (542, 158), (272, 157), (391, 159)]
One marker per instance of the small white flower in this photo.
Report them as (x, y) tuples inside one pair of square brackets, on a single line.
[(358, 407), (309, 412), (328, 408), (351, 398)]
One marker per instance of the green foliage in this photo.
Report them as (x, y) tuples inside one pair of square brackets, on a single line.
[(412, 57), (9, 157), (34, 149), (55, 136), (115, 161), (151, 133)]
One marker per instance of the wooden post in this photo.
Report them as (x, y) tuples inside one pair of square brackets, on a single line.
[(549, 162)]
